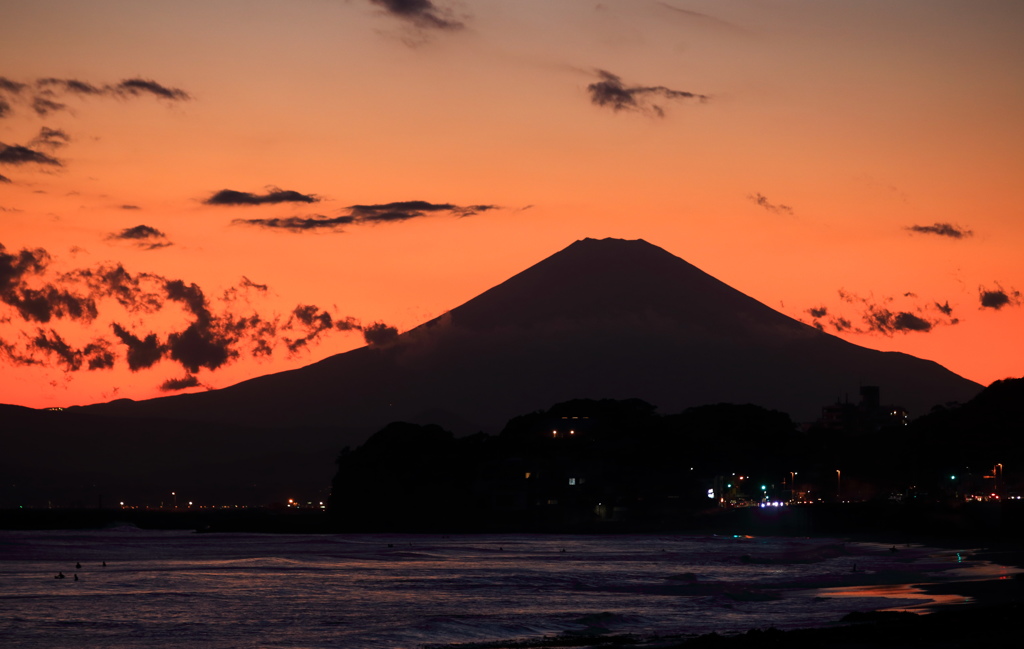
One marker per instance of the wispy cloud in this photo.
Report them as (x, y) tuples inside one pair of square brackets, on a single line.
[(612, 93), (140, 87), (49, 95), (762, 201), (367, 214), (942, 230), (15, 154), (405, 210), (52, 86), (53, 138), (423, 14), (44, 106), (273, 196), (705, 20), (92, 356)]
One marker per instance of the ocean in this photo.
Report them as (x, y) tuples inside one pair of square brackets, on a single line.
[(401, 591)]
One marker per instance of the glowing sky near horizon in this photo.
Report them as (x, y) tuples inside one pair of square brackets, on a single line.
[(196, 193)]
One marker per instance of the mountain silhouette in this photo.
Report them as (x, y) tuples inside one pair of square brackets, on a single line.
[(606, 319), (600, 319)]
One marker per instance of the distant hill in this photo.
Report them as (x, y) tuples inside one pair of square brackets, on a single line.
[(983, 432)]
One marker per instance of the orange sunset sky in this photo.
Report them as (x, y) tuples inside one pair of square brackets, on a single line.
[(194, 193)]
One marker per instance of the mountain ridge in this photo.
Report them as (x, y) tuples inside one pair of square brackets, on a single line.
[(605, 318)]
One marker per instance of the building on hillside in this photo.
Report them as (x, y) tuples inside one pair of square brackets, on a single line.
[(868, 415)]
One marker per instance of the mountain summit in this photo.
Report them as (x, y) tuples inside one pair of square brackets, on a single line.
[(600, 319)]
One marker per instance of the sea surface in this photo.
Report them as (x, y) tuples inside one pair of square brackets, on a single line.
[(182, 589)]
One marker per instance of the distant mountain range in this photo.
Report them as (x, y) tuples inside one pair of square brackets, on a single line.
[(601, 319)]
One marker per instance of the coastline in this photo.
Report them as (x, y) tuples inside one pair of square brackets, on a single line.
[(987, 599), (988, 609), (993, 615), (983, 611)]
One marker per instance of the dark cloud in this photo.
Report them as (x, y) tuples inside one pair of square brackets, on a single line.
[(51, 137), (49, 303), (998, 297), (130, 207), (173, 385), (887, 322), (241, 291), (15, 356), (94, 356), (421, 13), (138, 232), (248, 283), (142, 352), (405, 210), (128, 87), (205, 342), (38, 303), (5, 108), (4, 179), (17, 155), (841, 324), (72, 86), (298, 223), (13, 87), (312, 321), (942, 229), (761, 200), (143, 236), (994, 299), (882, 317), (366, 214), (138, 87), (212, 335), (139, 293), (610, 91), (13, 268), (272, 197), (379, 334)]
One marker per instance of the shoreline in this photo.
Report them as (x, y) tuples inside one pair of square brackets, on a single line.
[(989, 608), (990, 618), (929, 523), (991, 614)]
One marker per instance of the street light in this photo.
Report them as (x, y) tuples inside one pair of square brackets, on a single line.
[(839, 485)]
